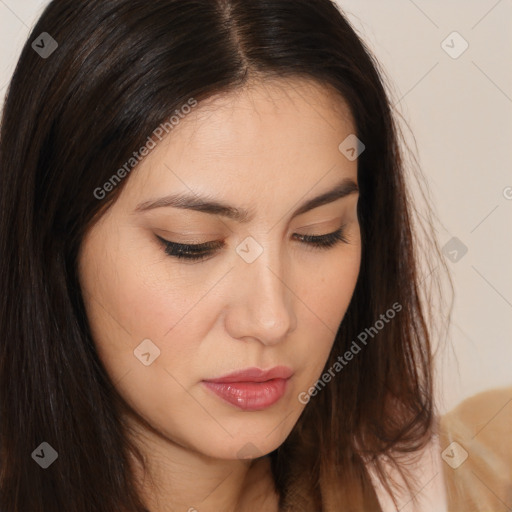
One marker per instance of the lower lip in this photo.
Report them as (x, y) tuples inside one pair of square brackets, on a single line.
[(249, 396)]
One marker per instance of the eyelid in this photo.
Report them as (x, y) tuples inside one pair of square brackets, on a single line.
[(201, 245), (191, 238), (196, 253), (210, 243), (331, 220)]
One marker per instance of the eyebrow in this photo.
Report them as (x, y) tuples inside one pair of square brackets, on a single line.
[(211, 206)]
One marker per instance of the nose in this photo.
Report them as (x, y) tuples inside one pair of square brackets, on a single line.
[(262, 305)]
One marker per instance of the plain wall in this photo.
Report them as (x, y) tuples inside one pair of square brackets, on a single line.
[(460, 112)]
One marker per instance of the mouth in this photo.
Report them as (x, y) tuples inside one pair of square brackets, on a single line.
[(251, 389)]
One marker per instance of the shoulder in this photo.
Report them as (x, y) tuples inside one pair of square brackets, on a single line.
[(476, 447)]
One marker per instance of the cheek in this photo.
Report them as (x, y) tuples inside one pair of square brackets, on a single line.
[(328, 288), (129, 299), (326, 293)]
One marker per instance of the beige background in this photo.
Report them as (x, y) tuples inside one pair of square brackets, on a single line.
[(460, 112)]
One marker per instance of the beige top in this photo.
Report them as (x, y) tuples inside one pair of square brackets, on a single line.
[(466, 468), (468, 465), (477, 441)]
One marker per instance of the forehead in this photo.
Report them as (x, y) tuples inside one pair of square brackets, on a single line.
[(279, 134), (262, 108)]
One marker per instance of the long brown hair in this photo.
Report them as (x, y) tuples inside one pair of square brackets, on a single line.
[(70, 120)]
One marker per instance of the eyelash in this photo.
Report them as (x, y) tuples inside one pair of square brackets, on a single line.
[(199, 252)]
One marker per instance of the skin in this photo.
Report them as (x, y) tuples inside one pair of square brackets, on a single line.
[(268, 147)]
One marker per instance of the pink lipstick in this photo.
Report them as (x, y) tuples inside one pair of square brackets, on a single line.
[(251, 389)]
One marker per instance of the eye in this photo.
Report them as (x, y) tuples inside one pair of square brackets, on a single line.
[(324, 241), (190, 252), (199, 252)]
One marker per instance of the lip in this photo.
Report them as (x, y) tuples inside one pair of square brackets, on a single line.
[(255, 375), (251, 389)]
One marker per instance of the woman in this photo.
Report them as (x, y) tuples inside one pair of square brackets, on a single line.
[(211, 277)]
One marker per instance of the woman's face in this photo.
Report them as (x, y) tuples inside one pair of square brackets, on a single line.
[(261, 298)]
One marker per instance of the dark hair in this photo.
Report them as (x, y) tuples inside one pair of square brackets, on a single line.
[(122, 67)]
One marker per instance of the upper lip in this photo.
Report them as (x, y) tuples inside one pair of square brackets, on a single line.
[(255, 375)]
